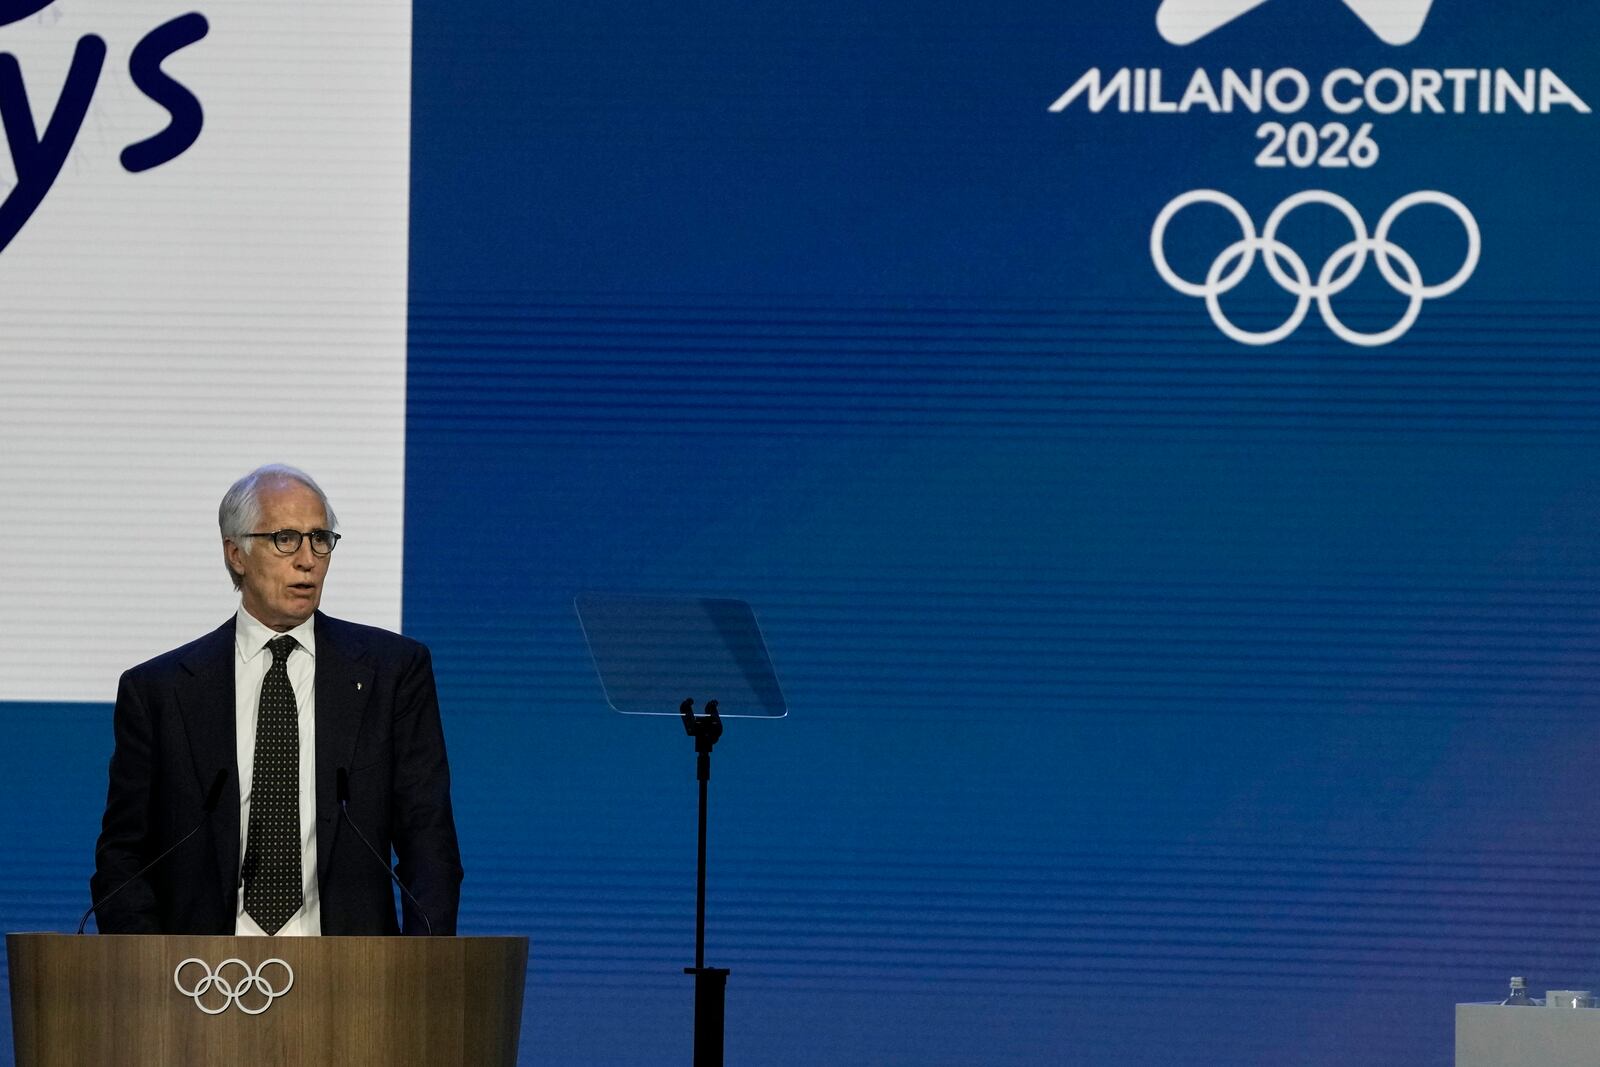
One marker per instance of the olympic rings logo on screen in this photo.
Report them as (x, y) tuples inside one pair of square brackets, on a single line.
[(1337, 273), (217, 984)]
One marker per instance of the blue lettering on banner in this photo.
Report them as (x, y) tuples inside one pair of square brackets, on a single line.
[(38, 158), (187, 117)]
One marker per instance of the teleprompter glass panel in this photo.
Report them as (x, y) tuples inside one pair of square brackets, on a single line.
[(654, 652)]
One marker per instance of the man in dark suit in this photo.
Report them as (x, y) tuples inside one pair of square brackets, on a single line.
[(279, 699)]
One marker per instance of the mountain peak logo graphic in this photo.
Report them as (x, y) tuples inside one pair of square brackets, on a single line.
[(1186, 21)]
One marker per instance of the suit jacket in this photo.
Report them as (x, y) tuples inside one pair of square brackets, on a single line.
[(377, 715)]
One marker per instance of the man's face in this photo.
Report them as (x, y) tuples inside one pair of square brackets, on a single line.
[(282, 591)]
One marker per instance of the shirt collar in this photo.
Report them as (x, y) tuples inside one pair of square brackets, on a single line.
[(251, 635)]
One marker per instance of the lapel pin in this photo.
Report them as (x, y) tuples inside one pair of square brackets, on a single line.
[(358, 686)]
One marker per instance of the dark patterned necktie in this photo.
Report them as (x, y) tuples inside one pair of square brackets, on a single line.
[(271, 871)]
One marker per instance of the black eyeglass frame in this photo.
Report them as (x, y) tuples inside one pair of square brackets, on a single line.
[(299, 537)]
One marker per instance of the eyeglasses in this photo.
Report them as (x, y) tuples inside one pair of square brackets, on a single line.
[(288, 541)]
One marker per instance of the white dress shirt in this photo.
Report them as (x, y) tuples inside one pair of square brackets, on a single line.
[(250, 662)]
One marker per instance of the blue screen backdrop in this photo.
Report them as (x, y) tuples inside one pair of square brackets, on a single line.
[(1154, 698)]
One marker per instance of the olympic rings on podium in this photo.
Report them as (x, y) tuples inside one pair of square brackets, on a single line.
[(232, 986)]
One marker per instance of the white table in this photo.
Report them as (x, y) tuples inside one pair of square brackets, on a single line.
[(1490, 1035)]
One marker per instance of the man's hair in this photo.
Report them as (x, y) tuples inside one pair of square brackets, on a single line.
[(241, 506)]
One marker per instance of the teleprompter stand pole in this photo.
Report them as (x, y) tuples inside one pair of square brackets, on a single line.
[(710, 983)]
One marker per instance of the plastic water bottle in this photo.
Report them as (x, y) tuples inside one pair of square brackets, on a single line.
[(1519, 994)]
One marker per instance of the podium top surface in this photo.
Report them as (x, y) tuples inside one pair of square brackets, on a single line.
[(487, 938)]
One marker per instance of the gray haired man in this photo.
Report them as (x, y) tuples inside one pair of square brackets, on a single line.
[(278, 704)]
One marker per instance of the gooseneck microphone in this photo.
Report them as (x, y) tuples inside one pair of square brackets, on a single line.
[(213, 796), (341, 786)]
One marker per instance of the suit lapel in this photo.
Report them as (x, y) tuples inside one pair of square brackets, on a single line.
[(206, 701), (344, 682)]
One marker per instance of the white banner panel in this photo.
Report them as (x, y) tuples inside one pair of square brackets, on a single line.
[(188, 299)]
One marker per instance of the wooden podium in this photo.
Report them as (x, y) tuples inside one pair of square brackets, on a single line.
[(351, 1000)]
